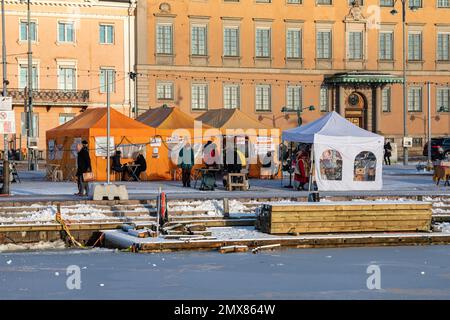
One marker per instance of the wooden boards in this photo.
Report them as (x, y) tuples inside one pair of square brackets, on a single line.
[(304, 218)]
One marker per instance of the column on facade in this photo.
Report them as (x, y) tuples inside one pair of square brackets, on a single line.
[(341, 100), (378, 107)]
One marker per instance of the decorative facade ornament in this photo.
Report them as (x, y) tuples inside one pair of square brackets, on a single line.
[(355, 13), (164, 7)]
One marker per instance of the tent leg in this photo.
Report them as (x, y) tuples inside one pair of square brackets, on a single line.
[(290, 169)]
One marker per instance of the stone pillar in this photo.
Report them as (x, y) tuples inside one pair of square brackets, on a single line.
[(369, 110), (342, 101), (378, 110)]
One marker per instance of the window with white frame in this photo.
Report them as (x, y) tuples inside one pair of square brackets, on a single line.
[(386, 45), (263, 97), (66, 31), (199, 40), (66, 78), (324, 99), (323, 44), (415, 99), (443, 47), (199, 96), (109, 73), (106, 34), (386, 99), (23, 35), (34, 129), (231, 96), (262, 43), (415, 46), (293, 43), (231, 41), (164, 90), (164, 38), (23, 76), (293, 97), (355, 45), (442, 99), (65, 117)]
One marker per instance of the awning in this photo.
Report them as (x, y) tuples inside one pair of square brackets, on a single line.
[(366, 78)]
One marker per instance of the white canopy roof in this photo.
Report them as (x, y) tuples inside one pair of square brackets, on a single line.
[(333, 125)]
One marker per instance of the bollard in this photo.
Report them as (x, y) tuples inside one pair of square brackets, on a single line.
[(6, 177), (226, 208)]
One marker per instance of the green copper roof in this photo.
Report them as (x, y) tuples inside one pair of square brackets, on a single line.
[(375, 78)]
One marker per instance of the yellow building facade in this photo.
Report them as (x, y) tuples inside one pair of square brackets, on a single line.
[(270, 58), (74, 44)]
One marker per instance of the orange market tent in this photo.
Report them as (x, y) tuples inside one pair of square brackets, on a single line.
[(170, 126), (235, 123), (127, 135)]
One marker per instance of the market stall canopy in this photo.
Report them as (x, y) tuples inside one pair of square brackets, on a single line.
[(332, 124), (93, 122), (347, 157), (230, 119), (167, 118)]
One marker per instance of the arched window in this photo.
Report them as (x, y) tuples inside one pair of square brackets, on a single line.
[(331, 165), (365, 166)]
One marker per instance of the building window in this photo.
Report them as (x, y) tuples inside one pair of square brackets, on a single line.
[(417, 142), (199, 97), (23, 31), (111, 77), (415, 99), (35, 125), (443, 98), (415, 47), (294, 43), (231, 41), (66, 32), (324, 99), (443, 3), (386, 99), (199, 40), (263, 43), (164, 91), (386, 46), (106, 34), (386, 3), (164, 39), (231, 96), (263, 98), (355, 45), (64, 117), (323, 45), (294, 97), (23, 77), (66, 78), (443, 48)]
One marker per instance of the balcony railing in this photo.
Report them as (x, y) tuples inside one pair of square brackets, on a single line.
[(52, 97)]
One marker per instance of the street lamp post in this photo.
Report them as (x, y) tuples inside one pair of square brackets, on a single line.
[(405, 87)]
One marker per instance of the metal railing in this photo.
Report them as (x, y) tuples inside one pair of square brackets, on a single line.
[(51, 97)]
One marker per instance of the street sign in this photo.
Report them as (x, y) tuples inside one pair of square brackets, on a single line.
[(5, 104), (7, 122)]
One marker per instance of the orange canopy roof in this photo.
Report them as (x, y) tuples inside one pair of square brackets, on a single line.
[(230, 119), (168, 118), (92, 122)]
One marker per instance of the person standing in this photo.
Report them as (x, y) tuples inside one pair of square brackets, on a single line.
[(301, 169), (387, 153), (83, 166), (186, 162)]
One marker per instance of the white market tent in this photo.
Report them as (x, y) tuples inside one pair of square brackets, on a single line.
[(346, 156)]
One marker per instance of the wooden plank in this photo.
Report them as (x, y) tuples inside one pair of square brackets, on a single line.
[(356, 207), (350, 218), (346, 216), (424, 226)]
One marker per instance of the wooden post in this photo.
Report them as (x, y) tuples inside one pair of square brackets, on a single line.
[(226, 208)]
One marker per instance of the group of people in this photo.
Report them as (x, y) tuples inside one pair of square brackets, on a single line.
[(234, 159), (84, 166)]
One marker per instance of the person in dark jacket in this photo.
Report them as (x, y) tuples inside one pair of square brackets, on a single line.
[(83, 166), (186, 162), (140, 160), (387, 153)]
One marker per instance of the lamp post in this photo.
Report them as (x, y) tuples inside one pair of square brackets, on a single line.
[(405, 108)]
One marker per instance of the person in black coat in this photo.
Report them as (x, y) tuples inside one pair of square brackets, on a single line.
[(83, 166), (140, 160), (387, 153)]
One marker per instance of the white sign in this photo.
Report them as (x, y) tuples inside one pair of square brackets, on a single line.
[(174, 140), (7, 122), (264, 139), (100, 146), (5, 103), (407, 142), (155, 142)]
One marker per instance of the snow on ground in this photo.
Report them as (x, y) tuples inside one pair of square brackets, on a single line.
[(223, 233), (42, 245), (442, 227)]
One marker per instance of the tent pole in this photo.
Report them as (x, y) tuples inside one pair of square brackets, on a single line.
[(290, 167), (311, 168), (108, 129)]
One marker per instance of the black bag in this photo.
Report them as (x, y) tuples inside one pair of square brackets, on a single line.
[(208, 182)]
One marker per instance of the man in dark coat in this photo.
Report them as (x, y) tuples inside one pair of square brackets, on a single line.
[(140, 160), (186, 162), (83, 166)]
